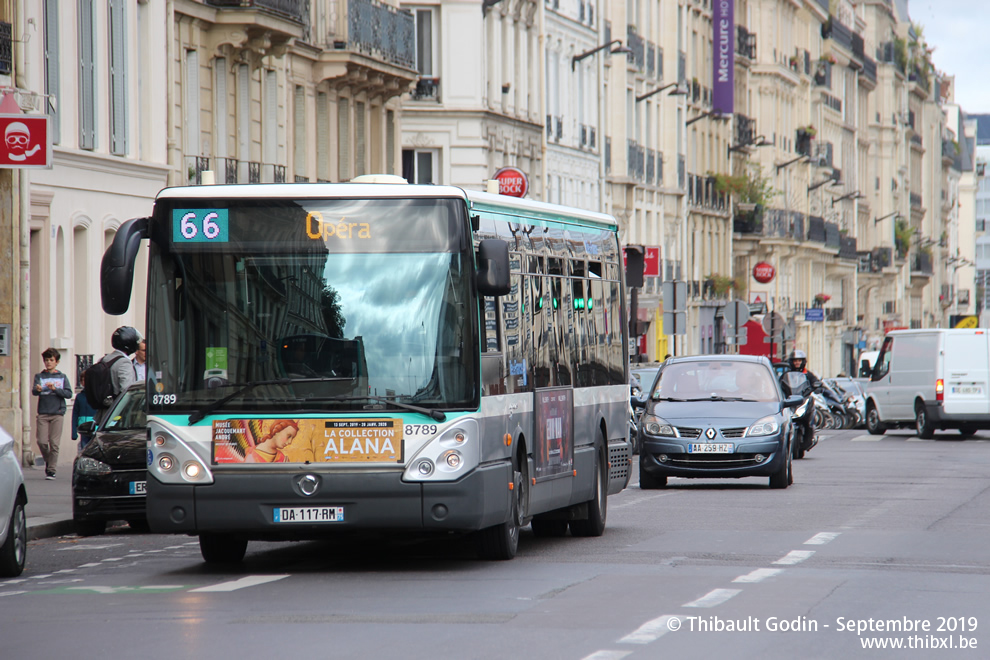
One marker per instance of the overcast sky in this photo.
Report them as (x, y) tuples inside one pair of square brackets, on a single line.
[(959, 30)]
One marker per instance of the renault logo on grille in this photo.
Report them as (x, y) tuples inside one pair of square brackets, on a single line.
[(710, 433), (309, 484)]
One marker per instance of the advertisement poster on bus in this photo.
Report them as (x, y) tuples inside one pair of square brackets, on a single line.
[(248, 441), (553, 455)]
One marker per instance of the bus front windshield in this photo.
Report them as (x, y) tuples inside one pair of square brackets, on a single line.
[(311, 305)]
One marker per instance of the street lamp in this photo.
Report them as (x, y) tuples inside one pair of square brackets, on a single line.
[(679, 91), (852, 195), (791, 162), (619, 48), (717, 114), (830, 180), (758, 141), (895, 213)]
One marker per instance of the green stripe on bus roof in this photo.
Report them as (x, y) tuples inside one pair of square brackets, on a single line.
[(540, 218)]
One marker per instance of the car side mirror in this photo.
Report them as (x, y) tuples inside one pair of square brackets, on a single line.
[(87, 428), (638, 402)]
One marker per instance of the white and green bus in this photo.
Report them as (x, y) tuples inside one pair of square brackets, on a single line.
[(326, 358)]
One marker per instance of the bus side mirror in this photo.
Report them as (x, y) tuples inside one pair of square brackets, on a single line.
[(117, 267), (493, 267)]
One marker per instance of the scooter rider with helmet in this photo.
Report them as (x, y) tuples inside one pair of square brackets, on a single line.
[(799, 362)]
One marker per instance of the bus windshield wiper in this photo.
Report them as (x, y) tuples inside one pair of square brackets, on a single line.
[(245, 387), (434, 414)]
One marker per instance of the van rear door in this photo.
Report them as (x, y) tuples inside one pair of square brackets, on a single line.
[(966, 370)]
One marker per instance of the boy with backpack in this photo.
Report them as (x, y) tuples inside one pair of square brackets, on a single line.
[(52, 388), (114, 373)]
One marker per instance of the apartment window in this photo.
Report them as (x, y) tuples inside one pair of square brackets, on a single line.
[(420, 165), (51, 66), (344, 139), (118, 78), (299, 132), (425, 43), (322, 137), (87, 76)]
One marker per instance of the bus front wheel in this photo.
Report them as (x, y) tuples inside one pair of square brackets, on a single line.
[(222, 549), (502, 541)]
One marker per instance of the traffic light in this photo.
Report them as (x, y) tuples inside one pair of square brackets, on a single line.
[(635, 265)]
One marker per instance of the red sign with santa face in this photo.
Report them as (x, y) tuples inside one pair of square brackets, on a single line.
[(512, 181), (25, 141), (763, 272)]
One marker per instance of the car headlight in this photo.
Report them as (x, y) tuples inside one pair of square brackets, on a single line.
[(91, 466), (658, 426), (765, 426)]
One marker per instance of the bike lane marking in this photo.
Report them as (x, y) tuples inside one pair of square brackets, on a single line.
[(242, 583), (759, 575), (822, 538), (794, 557)]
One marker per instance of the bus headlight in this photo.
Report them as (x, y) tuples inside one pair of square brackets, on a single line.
[(448, 456), (172, 460)]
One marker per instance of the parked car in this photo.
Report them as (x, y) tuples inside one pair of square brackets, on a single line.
[(931, 379), (109, 476), (716, 416), (13, 521)]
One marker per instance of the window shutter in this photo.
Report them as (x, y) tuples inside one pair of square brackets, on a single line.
[(270, 118), (390, 142), (344, 139), (360, 155), (220, 106), (192, 104), (299, 132), (51, 66), (87, 77), (118, 79), (322, 137)]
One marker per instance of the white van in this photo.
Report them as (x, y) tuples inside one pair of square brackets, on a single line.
[(931, 379)]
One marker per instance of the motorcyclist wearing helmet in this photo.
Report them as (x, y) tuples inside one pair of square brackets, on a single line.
[(799, 362), (124, 340)]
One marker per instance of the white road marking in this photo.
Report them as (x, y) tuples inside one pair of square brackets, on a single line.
[(866, 438), (41, 577), (649, 631), (794, 557), (90, 565), (5, 582), (242, 583), (607, 655), (822, 538), (713, 598), (89, 546), (67, 570), (11, 593), (759, 575), (113, 559)]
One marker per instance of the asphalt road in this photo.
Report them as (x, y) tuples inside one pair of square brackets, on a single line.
[(877, 533)]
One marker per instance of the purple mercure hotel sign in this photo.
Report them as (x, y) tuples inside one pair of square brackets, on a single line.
[(723, 42)]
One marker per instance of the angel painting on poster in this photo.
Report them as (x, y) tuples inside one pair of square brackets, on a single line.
[(253, 441)]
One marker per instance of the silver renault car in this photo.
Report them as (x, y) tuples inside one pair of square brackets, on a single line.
[(716, 416), (13, 521)]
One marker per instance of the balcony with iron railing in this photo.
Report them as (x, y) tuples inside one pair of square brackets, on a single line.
[(847, 247), (6, 48), (291, 9), (637, 160), (916, 201), (834, 314), (835, 30), (745, 42), (770, 223), (374, 29), (816, 229), (744, 130), (921, 263), (427, 89), (833, 237), (636, 44), (870, 69)]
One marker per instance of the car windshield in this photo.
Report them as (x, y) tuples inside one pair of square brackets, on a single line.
[(646, 376), (708, 379), (128, 413)]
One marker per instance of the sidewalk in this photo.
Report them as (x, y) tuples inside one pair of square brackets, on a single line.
[(49, 507)]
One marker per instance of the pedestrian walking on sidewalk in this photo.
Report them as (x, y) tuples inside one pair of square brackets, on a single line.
[(82, 412), (52, 388), (125, 341)]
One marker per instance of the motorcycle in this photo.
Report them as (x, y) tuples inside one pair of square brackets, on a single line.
[(796, 383)]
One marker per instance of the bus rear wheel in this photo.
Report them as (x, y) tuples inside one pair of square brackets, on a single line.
[(594, 524), (222, 548)]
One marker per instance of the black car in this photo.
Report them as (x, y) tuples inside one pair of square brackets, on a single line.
[(716, 416), (110, 474)]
